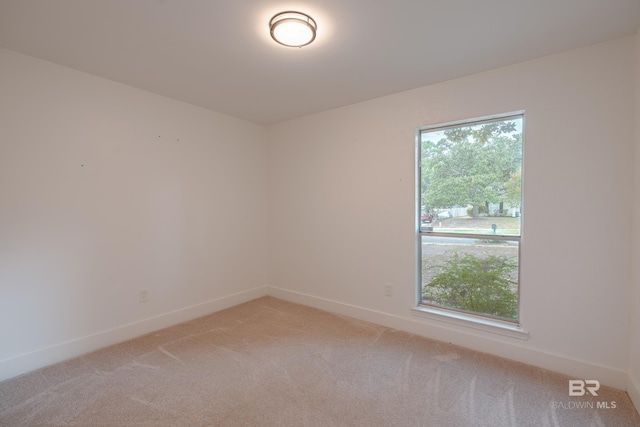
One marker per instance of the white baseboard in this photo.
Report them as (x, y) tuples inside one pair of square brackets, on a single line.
[(633, 390), (445, 332), (27, 362)]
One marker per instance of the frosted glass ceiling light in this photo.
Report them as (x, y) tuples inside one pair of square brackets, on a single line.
[(293, 29)]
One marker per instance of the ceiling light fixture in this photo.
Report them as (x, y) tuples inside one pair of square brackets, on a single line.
[(293, 29)]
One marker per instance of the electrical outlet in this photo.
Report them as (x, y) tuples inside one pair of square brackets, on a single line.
[(388, 289), (143, 295)]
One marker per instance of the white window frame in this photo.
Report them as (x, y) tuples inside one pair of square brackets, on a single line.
[(452, 316)]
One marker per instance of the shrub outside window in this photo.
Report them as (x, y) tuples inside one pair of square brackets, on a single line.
[(469, 216)]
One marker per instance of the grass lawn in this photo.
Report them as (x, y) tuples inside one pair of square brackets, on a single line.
[(482, 224)]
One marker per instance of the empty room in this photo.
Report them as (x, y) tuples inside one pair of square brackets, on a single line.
[(319, 213)]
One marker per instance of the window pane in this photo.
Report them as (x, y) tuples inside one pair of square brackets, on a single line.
[(471, 177), (473, 275)]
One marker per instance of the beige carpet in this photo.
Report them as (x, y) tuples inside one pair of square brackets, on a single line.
[(273, 363)]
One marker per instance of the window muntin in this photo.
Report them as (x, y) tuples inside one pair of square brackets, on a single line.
[(470, 216)]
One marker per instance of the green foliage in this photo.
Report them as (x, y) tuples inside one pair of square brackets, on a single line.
[(471, 165), (513, 189), (480, 285)]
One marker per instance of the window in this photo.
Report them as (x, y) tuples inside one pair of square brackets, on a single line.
[(469, 216)]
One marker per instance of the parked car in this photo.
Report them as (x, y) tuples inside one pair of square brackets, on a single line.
[(444, 214), (426, 217)]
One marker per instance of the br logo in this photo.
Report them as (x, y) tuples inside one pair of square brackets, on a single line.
[(580, 388)]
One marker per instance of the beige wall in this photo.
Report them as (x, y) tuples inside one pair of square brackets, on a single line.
[(634, 336), (341, 217), (107, 190)]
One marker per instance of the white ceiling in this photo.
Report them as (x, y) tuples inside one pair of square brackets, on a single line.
[(218, 54)]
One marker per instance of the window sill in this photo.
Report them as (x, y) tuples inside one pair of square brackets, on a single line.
[(470, 321)]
